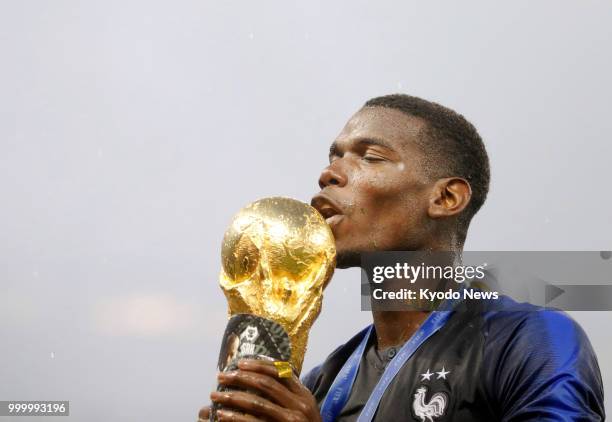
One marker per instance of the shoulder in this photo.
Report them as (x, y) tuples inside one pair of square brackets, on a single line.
[(534, 355), (319, 378), (532, 327)]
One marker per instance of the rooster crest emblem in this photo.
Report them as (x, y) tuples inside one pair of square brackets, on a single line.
[(433, 409)]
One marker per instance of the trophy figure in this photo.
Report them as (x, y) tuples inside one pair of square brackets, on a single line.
[(278, 255)]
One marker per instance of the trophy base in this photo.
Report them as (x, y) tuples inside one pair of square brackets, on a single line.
[(250, 337)]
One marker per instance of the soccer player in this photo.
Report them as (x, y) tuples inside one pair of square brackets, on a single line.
[(409, 174)]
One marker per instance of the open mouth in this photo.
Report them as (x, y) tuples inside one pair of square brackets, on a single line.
[(327, 209), (328, 212), (331, 216)]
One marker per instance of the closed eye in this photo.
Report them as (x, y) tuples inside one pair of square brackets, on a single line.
[(373, 158)]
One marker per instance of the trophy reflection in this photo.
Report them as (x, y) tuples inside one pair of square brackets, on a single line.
[(278, 255)]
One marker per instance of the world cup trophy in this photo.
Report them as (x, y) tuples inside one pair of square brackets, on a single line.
[(278, 254)]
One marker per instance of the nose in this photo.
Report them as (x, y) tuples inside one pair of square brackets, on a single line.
[(332, 175)]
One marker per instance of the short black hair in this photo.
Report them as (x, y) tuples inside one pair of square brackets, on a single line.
[(452, 145)]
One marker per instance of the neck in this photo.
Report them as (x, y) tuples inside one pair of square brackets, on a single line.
[(393, 328)]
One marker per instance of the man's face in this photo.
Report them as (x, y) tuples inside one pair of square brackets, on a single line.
[(374, 193)]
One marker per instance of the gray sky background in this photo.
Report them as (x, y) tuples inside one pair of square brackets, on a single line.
[(132, 131)]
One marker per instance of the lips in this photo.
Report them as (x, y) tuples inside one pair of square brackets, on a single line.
[(330, 211)]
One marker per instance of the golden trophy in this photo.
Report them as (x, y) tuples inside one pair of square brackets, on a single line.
[(278, 254)]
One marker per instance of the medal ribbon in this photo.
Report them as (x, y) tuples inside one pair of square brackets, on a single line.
[(340, 389)]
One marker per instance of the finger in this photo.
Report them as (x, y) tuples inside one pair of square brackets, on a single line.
[(249, 403), (204, 414), (268, 368), (228, 415), (270, 387)]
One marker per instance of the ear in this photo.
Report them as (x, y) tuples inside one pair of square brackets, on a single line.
[(449, 197)]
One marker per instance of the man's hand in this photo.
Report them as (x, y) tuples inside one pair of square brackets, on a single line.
[(204, 414), (280, 399)]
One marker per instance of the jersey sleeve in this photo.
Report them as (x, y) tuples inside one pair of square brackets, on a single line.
[(543, 368), (310, 379)]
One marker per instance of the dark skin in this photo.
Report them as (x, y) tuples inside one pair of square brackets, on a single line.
[(376, 195)]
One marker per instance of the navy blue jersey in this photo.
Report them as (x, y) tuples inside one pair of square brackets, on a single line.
[(522, 363)]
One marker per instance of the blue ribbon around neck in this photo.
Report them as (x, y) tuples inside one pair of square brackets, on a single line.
[(339, 392)]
